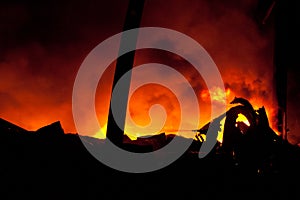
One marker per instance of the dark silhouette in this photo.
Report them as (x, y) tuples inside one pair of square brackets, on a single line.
[(49, 164), (124, 64), (54, 128)]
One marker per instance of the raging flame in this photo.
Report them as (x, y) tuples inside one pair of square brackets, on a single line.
[(246, 72), (256, 102), (217, 96)]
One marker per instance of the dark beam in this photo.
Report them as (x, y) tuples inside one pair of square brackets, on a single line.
[(286, 56), (123, 65)]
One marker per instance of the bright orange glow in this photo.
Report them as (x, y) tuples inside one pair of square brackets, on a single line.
[(220, 133), (242, 118), (257, 102), (216, 94), (272, 122), (101, 134), (37, 81)]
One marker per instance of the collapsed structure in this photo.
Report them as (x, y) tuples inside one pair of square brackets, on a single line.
[(253, 145)]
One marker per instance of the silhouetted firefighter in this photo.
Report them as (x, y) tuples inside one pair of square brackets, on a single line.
[(124, 64)]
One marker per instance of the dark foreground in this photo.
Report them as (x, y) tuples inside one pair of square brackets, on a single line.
[(53, 165)]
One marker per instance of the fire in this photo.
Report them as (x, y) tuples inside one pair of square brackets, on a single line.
[(101, 134), (242, 118), (140, 100), (216, 94), (220, 133), (272, 123), (269, 104), (32, 97), (256, 102)]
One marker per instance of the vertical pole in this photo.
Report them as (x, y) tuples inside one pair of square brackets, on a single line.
[(281, 64), (123, 65)]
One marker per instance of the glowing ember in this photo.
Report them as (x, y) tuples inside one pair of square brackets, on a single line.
[(242, 118)]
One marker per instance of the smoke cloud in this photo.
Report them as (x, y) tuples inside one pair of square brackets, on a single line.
[(43, 45)]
